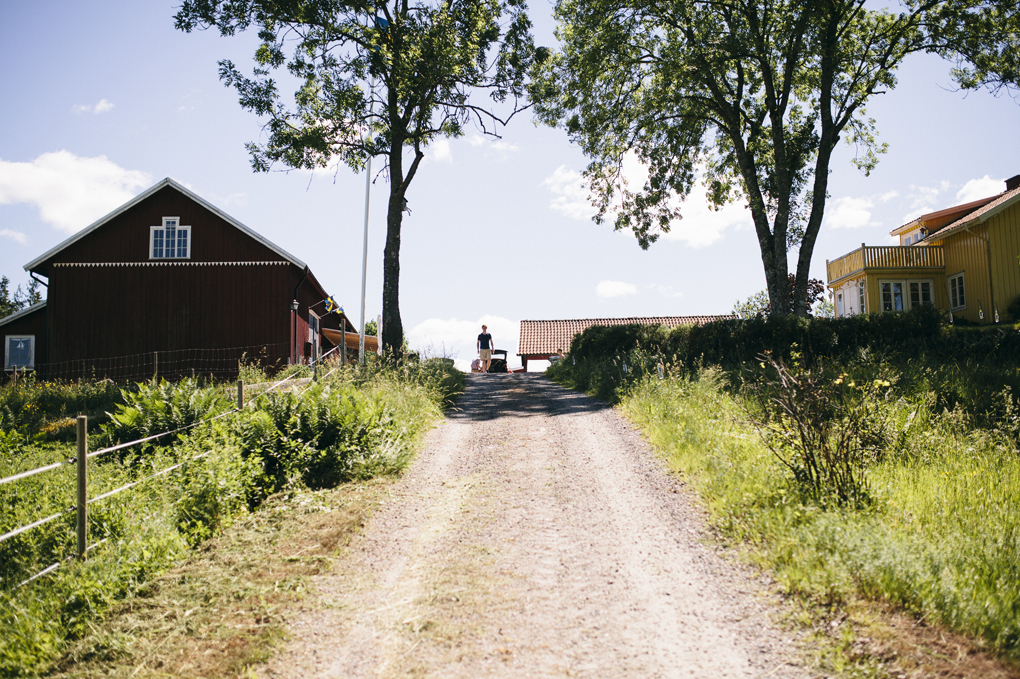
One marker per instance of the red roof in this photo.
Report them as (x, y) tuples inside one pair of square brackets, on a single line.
[(997, 203), (541, 338)]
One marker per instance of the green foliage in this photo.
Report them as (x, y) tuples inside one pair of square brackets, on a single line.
[(374, 80), (825, 429), (353, 425), (10, 303), (753, 97), (38, 408), (157, 407), (940, 538)]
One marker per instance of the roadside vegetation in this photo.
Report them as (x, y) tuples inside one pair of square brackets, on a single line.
[(868, 459), (285, 450)]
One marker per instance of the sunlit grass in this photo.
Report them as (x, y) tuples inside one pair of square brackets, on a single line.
[(941, 537)]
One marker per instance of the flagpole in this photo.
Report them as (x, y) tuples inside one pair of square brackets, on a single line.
[(364, 249)]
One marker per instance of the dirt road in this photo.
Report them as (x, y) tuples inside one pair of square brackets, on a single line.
[(535, 536)]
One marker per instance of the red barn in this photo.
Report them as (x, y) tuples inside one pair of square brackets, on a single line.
[(168, 284)]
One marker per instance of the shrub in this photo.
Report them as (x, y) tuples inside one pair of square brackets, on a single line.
[(825, 430)]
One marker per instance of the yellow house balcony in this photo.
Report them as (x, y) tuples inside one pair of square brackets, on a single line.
[(914, 257)]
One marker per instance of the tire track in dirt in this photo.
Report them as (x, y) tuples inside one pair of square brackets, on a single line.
[(535, 535)]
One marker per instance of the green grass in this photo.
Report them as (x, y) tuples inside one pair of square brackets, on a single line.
[(355, 425), (941, 537)]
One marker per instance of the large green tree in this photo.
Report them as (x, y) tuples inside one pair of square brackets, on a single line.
[(374, 78), (751, 96)]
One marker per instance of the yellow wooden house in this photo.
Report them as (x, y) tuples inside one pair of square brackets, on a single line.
[(964, 259)]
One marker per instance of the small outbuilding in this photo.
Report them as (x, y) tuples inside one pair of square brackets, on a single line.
[(541, 339)]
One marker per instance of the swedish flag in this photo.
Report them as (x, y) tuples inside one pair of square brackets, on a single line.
[(332, 306)]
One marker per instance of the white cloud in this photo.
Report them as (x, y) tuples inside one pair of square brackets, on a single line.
[(849, 213), (924, 199), (888, 195), (69, 191), (491, 143), (441, 151), (701, 225), (571, 194), (611, 289), (103, 106), (16, 236), (980, 188), (456, 338)]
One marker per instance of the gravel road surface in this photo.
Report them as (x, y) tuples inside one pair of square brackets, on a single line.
[(536, 535)]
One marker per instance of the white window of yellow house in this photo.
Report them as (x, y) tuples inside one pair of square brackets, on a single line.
[(839, 305), (860, 297), (957, 297), (920, 293), (907, 294), (892, 295)]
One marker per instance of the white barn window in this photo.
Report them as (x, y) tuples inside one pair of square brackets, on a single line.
[(19, 352), (170, 241)]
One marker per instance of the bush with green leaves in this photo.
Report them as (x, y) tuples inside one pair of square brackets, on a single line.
[(825, 429), (158, 407), (357, 423)]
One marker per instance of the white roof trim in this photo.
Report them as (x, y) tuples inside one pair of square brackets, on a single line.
[(24, 312), (145, 194)]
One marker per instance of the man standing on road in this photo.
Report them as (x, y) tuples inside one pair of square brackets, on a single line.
[(485, 348)]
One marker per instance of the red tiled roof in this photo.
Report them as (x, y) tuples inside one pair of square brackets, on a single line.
[(1000, 202), (539, 338)]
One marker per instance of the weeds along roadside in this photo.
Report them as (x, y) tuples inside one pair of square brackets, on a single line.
[(353, 425), (936, 530)]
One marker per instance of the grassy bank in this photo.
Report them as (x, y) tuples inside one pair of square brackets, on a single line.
[(355, 425), (940, 536)]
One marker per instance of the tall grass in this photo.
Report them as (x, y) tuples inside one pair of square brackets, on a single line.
[(941, 537), (356, 424)]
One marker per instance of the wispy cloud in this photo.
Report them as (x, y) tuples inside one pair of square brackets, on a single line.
[(491, 143), (16, 236), (980, 188), (700, 225), (103, 106), (571, 194), (924, 199), (611, 289), (666, 290), (69, 191)]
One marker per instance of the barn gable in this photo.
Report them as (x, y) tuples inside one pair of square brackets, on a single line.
[(125, 236)]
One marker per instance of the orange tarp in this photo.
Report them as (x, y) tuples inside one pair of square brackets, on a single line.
[(352, 339)]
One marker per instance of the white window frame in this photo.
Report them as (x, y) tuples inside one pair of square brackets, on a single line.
[(7, 352), (312, 334), (905, 282), (176, 224), (862, 296), (920, 281), (962, 288)]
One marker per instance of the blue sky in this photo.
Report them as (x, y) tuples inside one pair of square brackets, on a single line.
[(101, 100)]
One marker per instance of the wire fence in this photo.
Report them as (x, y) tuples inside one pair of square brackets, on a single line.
[(216, 364), (83, 456)]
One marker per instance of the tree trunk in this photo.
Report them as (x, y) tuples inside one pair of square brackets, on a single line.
[(393, 328)]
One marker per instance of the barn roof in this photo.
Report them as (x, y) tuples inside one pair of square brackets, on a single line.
[(145, 194), (539, 338), (23, 312)]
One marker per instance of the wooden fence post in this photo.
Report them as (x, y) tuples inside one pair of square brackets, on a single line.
[(155, 365), (83, 496), (240, 394)]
